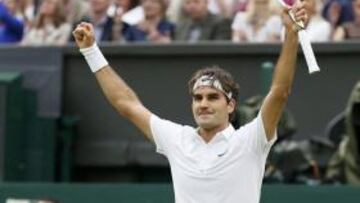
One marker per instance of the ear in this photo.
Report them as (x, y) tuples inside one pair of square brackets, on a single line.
[(231, 106)]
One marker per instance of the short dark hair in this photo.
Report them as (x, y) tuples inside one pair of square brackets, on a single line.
[(225, 78)]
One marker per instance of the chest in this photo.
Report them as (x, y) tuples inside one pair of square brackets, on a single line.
[(217, 158)]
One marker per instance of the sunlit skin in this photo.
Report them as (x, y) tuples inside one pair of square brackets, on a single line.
[(211, 111)]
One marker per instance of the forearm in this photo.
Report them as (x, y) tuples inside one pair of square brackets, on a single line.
[(115, 89), (286, 66), (118, 93), (275, 101)]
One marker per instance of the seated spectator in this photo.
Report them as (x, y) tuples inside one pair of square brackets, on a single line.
[(11, 27), (122, 10), (337, 12), (350, 30), (318, 29), (50, 27), (154, 28), (260, 23), (200, 24)]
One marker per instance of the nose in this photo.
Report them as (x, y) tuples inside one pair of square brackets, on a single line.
[(204, 103)]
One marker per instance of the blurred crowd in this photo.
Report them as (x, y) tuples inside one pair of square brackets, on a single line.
[(50, 22)]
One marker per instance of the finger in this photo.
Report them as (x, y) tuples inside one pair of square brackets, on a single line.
[(89, 27), (84, 24), (299, 5), (79, 33), (300, 15), (302, 18)]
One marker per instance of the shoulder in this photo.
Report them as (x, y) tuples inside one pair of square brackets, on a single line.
[(164, 124)]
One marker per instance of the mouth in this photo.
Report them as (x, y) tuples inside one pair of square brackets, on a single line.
[(205, 114)]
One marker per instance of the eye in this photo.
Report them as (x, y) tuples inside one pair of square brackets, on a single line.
[(213, 97), (197, 97)]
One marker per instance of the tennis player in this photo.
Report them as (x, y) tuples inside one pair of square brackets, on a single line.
[(213, 163)]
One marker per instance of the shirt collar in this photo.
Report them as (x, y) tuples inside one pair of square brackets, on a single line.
[(226, 133)]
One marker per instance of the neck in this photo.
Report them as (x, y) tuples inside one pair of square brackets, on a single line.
[(208, 134)]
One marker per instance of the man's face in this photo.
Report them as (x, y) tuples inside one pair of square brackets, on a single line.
[(99, 6), (210, 108), (195, 9)]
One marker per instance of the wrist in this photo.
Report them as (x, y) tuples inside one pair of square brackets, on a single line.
[(94, 58)]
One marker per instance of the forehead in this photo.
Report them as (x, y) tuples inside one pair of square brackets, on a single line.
[(205, 90)]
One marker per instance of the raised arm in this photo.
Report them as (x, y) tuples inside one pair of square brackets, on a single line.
[(118, 93), (277, 97)]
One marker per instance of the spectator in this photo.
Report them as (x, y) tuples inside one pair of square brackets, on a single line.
[(103, 23), (118, 10), (350, 30), (201, 25), (337, 12), (122, 6), (223, 8), (75, 10), (260, 23), (154, 28), (11, 27), (318, 29), (50, 27)]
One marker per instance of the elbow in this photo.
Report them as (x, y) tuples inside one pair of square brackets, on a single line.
[(281, 93), (124, 104)]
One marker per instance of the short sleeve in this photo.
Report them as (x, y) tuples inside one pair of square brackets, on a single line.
[(256, 136), (165, 133)]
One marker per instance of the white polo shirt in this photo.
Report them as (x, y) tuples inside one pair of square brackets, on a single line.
[(228, 169)]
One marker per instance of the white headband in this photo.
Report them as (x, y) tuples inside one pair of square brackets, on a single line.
[(210, 81)]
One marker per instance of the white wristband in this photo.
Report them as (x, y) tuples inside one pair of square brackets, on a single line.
[(94, 58)]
